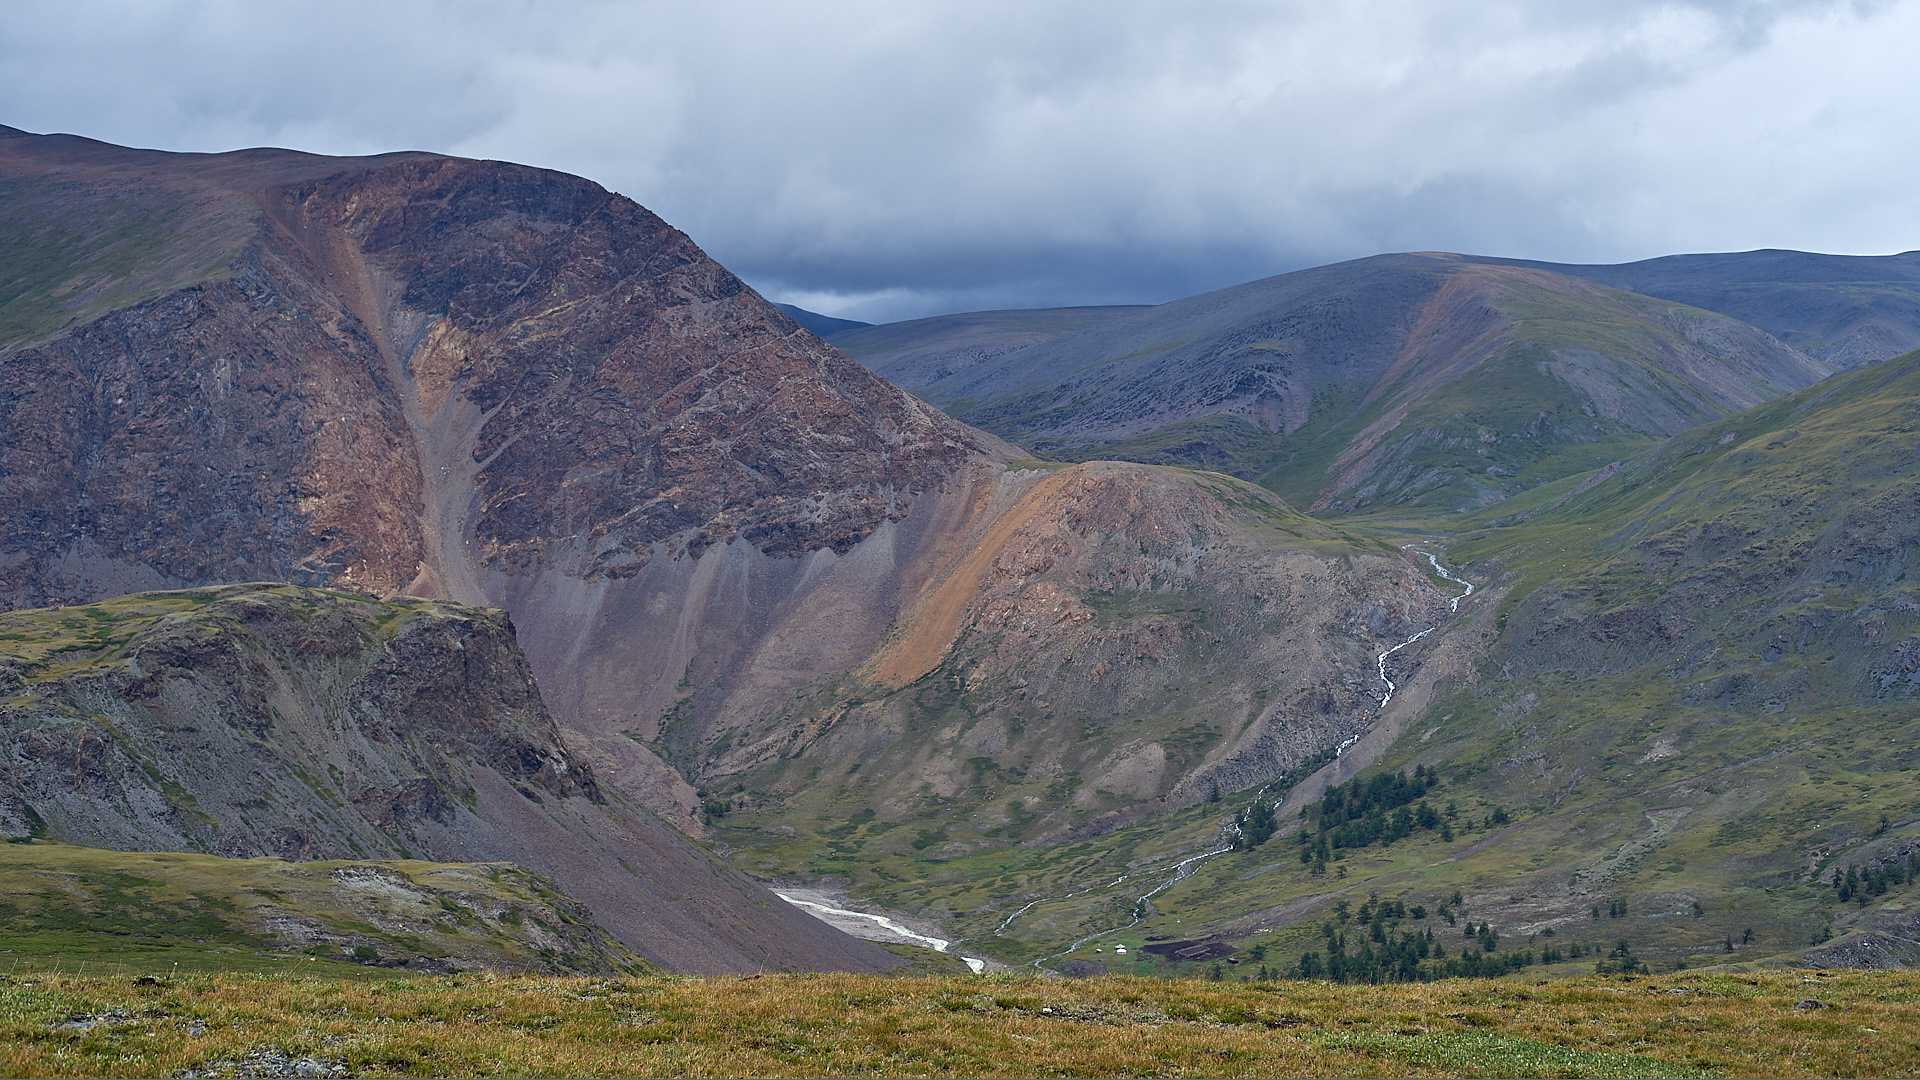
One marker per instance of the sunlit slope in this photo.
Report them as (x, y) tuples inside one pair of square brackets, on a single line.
[(1418, 382)]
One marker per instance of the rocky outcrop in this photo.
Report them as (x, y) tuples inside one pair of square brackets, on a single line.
[(271, 720), (466, 380)]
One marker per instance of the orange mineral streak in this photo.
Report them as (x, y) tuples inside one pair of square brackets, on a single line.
[(929, 629)]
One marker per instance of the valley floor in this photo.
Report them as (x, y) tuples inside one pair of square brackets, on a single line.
[(1778, 1023)]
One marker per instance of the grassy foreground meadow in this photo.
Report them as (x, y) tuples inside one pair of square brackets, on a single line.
[(1776, 1023)]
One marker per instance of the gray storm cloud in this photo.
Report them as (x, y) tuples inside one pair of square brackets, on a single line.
[(886, 160)]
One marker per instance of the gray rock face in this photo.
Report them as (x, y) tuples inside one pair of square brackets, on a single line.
[(271, 720)]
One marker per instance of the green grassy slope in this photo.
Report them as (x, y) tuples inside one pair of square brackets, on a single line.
[(1579, 379), (1700, 692), (157, 912), (1848, 310), (75, 251)]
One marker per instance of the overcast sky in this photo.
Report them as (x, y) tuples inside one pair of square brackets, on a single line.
[(894, 159)]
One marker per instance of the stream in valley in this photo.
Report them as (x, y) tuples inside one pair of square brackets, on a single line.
[(882, 928), (1453, 605), (869, 927)]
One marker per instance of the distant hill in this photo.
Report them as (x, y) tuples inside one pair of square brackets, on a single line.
[(1418, 382), (821, 325), (922, 352), (1847, 310)]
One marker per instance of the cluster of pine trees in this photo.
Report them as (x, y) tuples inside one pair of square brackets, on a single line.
[(1861, 885), (1621, 961), (1369, 946), (1380, 809), (1385, 808), (1376, 950), (1403, 956)]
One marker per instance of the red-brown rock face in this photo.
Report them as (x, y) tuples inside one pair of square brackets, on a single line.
[(610, 388), (416, 360), (462, 379)]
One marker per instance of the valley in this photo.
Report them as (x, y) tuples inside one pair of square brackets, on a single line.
[(1419, 616)]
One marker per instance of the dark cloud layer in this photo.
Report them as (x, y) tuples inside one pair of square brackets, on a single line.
[(883, 160)]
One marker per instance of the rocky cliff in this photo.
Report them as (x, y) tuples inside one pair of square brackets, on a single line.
[(272, 720)]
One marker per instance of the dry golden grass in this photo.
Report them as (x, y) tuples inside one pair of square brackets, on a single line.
[(846, 1025)]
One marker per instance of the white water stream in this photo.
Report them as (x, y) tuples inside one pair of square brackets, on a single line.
[(1452, 605), (1182, 870), (838, 916), (1185, 867)]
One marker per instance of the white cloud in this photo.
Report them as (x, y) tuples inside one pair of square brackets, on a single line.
[(903, 158)]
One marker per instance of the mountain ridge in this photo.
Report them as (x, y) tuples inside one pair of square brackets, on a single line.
[(1304, 381), (791, 608), (1847, 310)]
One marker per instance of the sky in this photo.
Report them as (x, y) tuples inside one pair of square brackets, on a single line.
[(889, 160)]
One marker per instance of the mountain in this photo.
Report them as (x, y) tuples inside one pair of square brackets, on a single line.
[(1845, 310), (921, 352), (1672, 726), (247, 721), (731, 555), (823, 325), (1123, 641), (468, 380), (1419, 383)]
